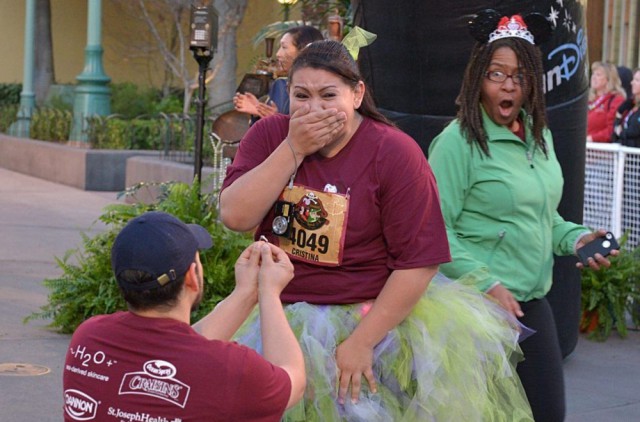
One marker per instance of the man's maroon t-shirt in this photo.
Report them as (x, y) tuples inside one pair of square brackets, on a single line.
[(124, 367)]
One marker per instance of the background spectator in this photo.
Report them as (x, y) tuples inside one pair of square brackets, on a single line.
[(605, 96), (627, 124)]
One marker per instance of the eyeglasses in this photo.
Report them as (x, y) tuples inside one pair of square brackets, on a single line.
[(499, 77)]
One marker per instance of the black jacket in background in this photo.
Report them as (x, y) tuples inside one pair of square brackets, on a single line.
[(629, 134)]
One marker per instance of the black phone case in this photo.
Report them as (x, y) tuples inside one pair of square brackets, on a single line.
[(601, 245)]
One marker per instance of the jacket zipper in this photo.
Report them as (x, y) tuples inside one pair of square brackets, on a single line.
[(501, 234), (530, 149)]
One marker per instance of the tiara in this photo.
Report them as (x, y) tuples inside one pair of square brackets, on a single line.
[(511, 27), (489, 25)]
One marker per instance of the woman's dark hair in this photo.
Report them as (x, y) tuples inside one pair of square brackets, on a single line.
[(468, 101), (303, 35), (333, 57), (165, 296), (636, 70)]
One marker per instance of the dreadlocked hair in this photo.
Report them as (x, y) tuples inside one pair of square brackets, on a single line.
[(468, 101)]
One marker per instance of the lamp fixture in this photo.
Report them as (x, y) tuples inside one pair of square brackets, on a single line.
[(287, 4)]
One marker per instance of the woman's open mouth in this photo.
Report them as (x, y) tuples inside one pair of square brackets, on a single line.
[(506, 108)]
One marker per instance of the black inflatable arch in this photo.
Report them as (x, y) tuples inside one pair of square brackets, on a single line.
[(414, 69)]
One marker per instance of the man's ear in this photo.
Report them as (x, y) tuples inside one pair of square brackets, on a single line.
[(191, 278)]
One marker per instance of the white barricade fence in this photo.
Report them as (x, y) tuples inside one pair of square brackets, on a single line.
[(612, 190)]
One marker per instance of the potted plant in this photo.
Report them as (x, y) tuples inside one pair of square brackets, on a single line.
[(610, 294)]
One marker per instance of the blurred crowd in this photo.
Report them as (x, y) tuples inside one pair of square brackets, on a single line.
[(614, 96)]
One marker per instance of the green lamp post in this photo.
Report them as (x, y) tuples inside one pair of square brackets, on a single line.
[(92, 94), (27, 97)]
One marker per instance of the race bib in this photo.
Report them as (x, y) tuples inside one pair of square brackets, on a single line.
[(318, 225)]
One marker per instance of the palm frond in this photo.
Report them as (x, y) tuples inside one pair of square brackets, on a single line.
[(274, 30)]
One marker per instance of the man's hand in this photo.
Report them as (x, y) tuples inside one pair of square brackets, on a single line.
[(230, 313), (247, 268), (276, 270)]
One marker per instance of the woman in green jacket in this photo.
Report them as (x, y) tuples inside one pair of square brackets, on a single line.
[(500, 185)]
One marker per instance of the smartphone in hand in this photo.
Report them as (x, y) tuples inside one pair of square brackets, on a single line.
[(601, 245)]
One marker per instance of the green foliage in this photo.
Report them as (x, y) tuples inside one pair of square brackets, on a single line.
[(107, 132), (87, 287), (10, 94), (9, 105), (112, 132), (317, 11), (610, 293), (60, 102), (8, 115), (170, 104), (274, 30), (51, 124), (129, 100), (146, 134), (141, 120)]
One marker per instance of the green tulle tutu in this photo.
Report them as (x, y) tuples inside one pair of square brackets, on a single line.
[(452, 359)]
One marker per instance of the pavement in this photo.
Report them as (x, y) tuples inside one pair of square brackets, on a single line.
[(40, 221)]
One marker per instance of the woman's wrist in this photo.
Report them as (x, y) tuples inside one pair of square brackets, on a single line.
[(297, 155), (579, 241), (493, 286)]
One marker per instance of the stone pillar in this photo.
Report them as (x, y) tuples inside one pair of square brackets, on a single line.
[(92, 94)]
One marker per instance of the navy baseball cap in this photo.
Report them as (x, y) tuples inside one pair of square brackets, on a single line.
[(158, 244)]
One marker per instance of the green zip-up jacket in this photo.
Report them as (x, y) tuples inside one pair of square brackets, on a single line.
[(501, 211)]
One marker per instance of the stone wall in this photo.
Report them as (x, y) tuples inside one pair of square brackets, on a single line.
[(94, 170)]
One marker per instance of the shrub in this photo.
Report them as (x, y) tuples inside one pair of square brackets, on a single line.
[(142, 120), (609, 294), (112, 132), (50, 124), (60, 102), (146, 134), (8, 115), (107, 132), (170, 104), (129, 100), (88, 287), (10, 94)]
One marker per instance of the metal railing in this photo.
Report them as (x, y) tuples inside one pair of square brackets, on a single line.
[(612, 190)]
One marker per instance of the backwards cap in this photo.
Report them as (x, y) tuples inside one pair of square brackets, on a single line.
[(158, 244)]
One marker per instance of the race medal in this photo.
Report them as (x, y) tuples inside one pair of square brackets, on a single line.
[(318, 226)]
